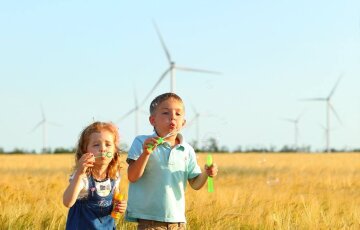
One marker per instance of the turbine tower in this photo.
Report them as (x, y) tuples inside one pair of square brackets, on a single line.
[(44, 122), (329, 108), (196, 119), (296, 129), (134, 110), (172, 68)]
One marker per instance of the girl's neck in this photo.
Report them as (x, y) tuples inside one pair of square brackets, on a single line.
[(99, 173)]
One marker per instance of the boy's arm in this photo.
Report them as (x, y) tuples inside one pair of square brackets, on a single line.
[(137, 167), (199, 181)]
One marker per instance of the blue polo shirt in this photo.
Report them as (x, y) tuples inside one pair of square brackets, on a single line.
[(160, 193)]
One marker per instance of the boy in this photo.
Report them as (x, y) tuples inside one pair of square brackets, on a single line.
[(160, 166)]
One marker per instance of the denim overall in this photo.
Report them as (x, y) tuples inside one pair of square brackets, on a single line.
[(92, 212)]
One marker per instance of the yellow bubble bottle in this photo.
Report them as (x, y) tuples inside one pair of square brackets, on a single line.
[(117, 198)]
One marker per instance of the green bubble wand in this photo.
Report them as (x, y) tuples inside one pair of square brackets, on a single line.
[(105, 154), (210, 180), (159, 141)]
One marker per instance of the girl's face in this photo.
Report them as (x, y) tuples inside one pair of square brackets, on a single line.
[(168, 117), (102, 145)]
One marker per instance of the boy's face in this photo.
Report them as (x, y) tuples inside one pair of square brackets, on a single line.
[(168, 117)]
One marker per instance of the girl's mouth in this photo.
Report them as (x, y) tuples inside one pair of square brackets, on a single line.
[(104, 155)]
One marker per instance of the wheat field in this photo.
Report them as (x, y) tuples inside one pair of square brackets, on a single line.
[(252, 191)]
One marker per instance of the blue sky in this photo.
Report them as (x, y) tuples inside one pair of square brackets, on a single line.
[(83, 60)]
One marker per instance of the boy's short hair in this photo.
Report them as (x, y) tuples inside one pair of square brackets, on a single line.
[(163, 97)]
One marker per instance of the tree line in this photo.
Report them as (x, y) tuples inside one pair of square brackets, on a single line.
[(211, 145)]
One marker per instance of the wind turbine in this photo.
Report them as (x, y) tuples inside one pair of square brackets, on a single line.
[(296, 129), (196, 120), (44, 122), (329, 107), (134, 110), (172, 68)]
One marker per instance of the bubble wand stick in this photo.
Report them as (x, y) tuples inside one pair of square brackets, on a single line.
[(106, 154), (210, 180), (159, 141)]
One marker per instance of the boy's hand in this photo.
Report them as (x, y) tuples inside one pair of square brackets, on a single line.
[(86, 161), (150, 145), (211, 170)]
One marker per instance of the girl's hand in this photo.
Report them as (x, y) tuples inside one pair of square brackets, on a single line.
[(212, 170), (150, 145), (121, 206), (86, 161)]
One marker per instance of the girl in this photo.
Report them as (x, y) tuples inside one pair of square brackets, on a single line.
[(94, 180)]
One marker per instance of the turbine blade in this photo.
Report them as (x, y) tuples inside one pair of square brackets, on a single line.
[(135, 98), (335, 86), (126, 114), (322, 127), (42, 112), (191, 122), (288, 120), (314, 99), (156, 84), (162, 42), (193, 108), (54, 124), (300, 116), (36, 126), (197, 70), (336, 114)]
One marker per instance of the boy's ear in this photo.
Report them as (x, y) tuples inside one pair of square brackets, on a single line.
[(152, 120), (184, 122)]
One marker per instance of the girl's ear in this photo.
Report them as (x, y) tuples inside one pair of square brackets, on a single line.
[(184, 122)]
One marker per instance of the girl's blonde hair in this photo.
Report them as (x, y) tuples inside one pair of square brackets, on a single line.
[(113, 169)]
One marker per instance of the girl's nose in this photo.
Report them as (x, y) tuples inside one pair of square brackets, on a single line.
[(102, 147)]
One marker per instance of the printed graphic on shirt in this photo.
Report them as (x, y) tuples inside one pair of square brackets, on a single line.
[(104, 203), (103, 188)]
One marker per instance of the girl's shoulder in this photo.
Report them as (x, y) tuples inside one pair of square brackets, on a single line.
[(84, 185), (117, 179)]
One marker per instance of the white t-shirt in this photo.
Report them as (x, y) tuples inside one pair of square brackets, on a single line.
[(103, 188)]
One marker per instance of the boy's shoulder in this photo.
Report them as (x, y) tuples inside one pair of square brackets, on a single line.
[(144, 137)]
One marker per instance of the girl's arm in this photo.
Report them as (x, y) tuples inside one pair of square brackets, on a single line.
[(72, 191), (120, 205), (136, 168), (199, 181)]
